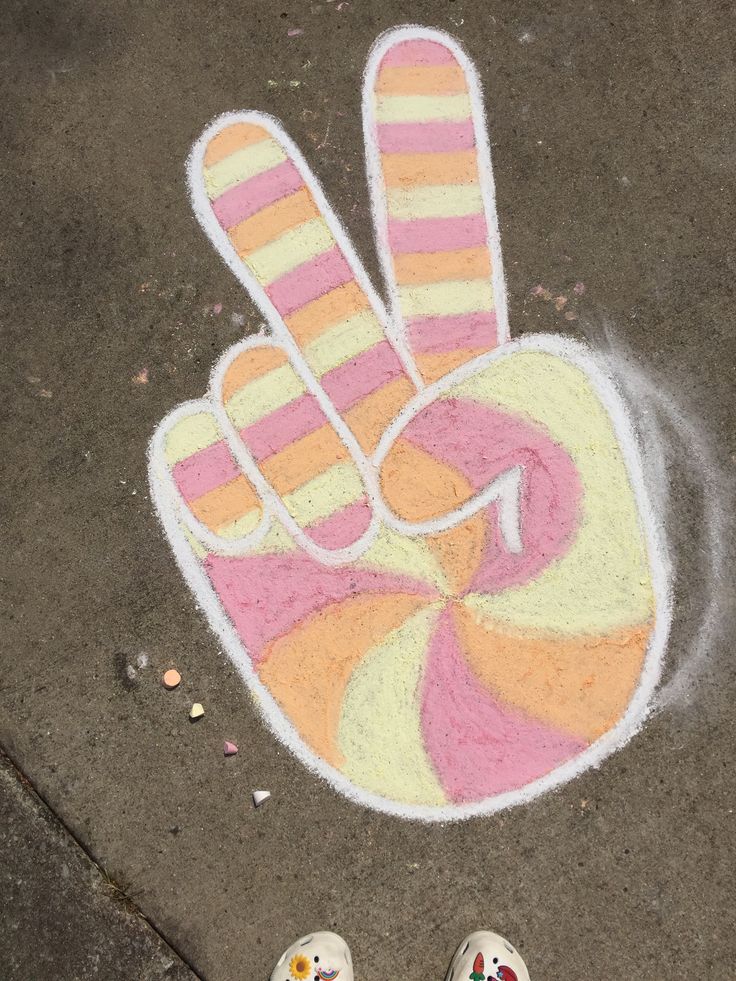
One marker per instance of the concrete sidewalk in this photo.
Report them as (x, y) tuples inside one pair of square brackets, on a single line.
[(613, 152), (61, 917)]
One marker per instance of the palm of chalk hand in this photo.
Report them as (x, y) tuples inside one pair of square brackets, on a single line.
[(425, 546)]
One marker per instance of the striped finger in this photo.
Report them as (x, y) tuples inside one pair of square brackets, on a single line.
[(267, 216), (293, 452), (431, 183), (193, 462)]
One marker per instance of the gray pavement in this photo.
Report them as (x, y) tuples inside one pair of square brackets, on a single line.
[(62, 917), (613, 153)]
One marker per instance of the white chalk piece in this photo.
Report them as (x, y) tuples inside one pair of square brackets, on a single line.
[(196, 711), (230, 748), (260, 797)]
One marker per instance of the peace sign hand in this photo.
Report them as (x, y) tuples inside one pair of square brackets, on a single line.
[(427, 548)]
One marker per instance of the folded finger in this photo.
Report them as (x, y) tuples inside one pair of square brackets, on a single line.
[(430, 176), (194, 466), (296, 449)]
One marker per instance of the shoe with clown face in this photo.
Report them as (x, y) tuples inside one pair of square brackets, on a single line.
[(318, 957), (485, 956)]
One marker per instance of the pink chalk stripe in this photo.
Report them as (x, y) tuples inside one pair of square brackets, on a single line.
[(309, 281), (204, 471), (425, 137), (265, 596), (451, 429), (436, 335), (418, 52), (343, 527), (245, 199), (351, 382), (437, 234), (284, 426), (478, 746)]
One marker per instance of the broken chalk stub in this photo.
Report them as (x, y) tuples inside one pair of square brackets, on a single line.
[(196, 711), (230, 748), (172, 678), (260, 797)]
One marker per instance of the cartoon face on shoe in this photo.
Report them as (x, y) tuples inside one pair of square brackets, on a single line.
[(484, 956), (428, 548), (320, 956)]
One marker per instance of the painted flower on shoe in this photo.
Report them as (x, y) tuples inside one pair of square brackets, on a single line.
[(300, 967)]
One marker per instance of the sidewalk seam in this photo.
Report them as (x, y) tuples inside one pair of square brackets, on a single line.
[(120, 894)]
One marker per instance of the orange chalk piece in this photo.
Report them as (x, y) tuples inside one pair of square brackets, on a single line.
[(172, 679)]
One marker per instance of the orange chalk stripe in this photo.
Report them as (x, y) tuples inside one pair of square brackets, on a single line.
[(232, 139), (270, 222), (421, 80), (435, 267), (417, 169), (249, 365)]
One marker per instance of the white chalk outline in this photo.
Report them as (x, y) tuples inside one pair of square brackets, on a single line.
[(172, 513)]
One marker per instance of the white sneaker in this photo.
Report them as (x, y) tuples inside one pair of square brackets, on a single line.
[(318, 957), (485, 956)]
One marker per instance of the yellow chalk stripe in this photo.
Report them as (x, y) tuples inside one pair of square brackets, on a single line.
[(264, 395), (190, 435), (380, 730), (241, 526), (324, 495), (194, 543), (290, 250), (442, 201), (343, 342), (394, 552), (454, 296), (422, 108), (242, 165)]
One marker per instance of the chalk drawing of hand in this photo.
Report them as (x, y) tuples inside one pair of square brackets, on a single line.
[(427, 548)]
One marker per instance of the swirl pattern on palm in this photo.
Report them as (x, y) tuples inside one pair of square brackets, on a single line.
[(428, 548)]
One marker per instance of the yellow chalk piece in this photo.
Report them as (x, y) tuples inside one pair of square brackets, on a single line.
[(196, 711)]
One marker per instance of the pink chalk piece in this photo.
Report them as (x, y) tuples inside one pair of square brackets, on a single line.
[(452, 429), (204, 471), (478, 746), (265, 596), (417, 52), (436, 335), (352, 381), (247, 198), (343, 527), (310, 280), (295, 32), (217, 309), (438, 234), (230, 749), (425, 137)]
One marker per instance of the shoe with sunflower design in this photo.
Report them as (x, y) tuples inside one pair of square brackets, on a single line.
[(484, 956), (318, 957)]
